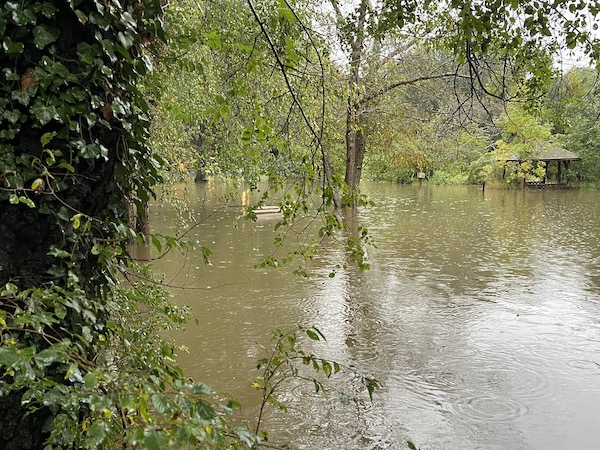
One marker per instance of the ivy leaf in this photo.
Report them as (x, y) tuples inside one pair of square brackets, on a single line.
[(58, 253), (123, 51), (47, 137), (90, 151), (12, 48), (37, 183), (96, 434), (12, 116), (126, 39), (22, 97), (47, 9), (44, 114), (47, 357), (44, 35), (81, 16), (26, 201)]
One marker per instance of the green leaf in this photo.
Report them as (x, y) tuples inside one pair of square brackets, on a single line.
[(90, 380), (12, 48), (163, 403), (73, 373), (125, 39), (314, 336), (410, 445), (26, 201), (47, 9), (123, 51), (11, 115), (76, 219), (21, 15), (81, 16), (156, 242), (91, 151), (9, 289), (96, 434), (336, 367), (43, 113), (248, 438), (23, 97), (371, 384), (8, 356), (247, 134), (36, 183), (327, 369), (317, 385), (154, 440), (14, 199), (47, 357), (86, 333), (44, 35), (205, 411), (201, 389), (58, 253)]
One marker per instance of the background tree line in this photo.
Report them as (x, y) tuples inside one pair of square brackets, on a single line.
[(420, 98)]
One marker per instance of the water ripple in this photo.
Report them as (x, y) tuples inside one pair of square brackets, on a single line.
[(489, 408)]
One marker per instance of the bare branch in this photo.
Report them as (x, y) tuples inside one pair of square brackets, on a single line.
[(379, 92)]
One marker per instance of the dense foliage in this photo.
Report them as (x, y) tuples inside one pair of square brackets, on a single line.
[(82, 363)]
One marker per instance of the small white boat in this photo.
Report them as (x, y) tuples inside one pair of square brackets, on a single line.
[(267, 210)]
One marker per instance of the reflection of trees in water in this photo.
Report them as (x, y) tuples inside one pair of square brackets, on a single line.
[(448, 278)]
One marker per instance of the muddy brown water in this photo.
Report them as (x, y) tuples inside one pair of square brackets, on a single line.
[(480, 316)]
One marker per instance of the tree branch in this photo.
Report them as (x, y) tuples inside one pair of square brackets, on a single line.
[(384, 90)]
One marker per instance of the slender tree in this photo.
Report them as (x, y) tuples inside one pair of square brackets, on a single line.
[(492, 41)]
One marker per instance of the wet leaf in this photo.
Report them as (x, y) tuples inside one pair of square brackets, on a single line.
[(44, 35), (311, 334)]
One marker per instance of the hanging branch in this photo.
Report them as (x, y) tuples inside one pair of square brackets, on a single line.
[(284, 73)]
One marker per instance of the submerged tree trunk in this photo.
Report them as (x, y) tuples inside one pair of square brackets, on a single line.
[(355, 152)]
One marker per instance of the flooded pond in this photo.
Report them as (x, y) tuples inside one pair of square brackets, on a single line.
[(480, 316)]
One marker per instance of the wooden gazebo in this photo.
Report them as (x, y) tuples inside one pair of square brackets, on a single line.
[(550, 154)]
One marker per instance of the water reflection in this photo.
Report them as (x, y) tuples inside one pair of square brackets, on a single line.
[(479, 315)]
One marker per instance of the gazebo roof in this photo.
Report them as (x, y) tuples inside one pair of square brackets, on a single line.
[(549, 152)]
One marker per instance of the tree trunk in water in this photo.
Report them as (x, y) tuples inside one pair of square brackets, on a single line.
[(140, 222), (355, 153)]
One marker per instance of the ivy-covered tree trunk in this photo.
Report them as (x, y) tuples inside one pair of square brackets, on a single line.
[(70, 133)]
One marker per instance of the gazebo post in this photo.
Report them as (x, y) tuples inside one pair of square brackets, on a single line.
[(558, 172)]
